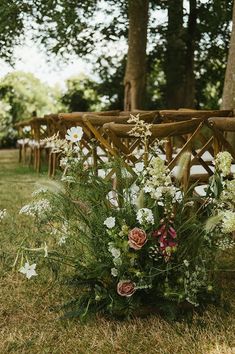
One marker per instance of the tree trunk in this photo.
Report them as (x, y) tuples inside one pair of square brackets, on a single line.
[(189, 84), (228, 98), (175, 55), (135, 75)]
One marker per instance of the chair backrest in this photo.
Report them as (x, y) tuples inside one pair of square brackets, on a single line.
[(183, 114), (185, 134), (78, 115), (223, 133)]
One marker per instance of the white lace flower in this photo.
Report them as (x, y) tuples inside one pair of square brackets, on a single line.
[(145, 215), (28, 270), (39, 191), (223, 162), (74, 134), (36, 208), (110, 222), (3, 213), (228, 223)]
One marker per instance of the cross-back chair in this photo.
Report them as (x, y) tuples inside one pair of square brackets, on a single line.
[(24, 135), (222, 133), (187, 114), (185, 132)]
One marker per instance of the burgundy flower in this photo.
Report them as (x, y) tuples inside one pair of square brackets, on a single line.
[(137, 238), (126, 288), (166, 238), (172, 232)]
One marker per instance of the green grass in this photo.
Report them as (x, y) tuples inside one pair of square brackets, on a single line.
[(29, 324)]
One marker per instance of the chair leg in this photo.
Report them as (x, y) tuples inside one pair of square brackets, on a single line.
[(20, 153), (38, 159)]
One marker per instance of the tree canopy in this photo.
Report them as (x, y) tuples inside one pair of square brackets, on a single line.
[(196, 36)]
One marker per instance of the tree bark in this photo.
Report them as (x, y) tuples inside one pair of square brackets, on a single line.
[(189, 84), (135, 75), (175, 55), (228, 98)]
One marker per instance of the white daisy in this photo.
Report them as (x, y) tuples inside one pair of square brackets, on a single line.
[(74, 134)]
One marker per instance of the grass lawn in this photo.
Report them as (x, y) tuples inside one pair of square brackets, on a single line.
[(29, 324)]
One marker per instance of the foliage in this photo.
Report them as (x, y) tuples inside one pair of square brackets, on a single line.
[(12, 26), (22, 95), (147, 246), (81, 95), (76, 27)]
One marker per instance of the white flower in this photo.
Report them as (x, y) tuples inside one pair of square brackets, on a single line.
[(28, 270), (228, 223), (116, 253), (62, 240), (3, 213), (68, 179), (114, 272), (145, 215), (110, 222), (39, 191), (36, 208), (63, 162), (74, 134), (186, 263), (139, 167), (223, 162)]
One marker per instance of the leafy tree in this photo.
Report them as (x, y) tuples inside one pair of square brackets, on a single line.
[(188, 51), (81, 95), (12, 24), (21, 96)]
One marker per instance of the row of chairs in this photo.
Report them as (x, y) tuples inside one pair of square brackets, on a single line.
[(107, 135)]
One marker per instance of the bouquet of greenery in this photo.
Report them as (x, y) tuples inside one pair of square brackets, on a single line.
[(148, 247)]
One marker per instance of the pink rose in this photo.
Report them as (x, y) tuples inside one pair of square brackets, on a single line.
[(137, 238), (125, 288)]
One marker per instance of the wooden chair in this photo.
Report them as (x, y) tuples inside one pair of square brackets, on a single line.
[(23, 139), (186, 114), (95, 123), (185, 132), (221, 128)]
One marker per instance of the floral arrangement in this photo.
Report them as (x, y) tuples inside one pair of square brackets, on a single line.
[(157, 250)]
